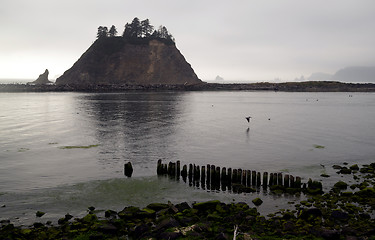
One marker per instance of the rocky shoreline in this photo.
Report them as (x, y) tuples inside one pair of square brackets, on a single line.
[(311, 86), (338, 214)]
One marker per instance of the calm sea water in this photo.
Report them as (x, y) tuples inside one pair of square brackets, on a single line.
[(37, 172)]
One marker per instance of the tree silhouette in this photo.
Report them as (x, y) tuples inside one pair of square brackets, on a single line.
[(102, 32), (133, 30), (112, 32), (144, 30), (147, 28)]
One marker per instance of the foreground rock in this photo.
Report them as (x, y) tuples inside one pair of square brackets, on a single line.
[(117, 61)]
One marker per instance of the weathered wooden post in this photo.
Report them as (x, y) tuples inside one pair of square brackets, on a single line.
[(203, 176), (271, 179), (292, 184), (235, 176), (229, 176), (286, 180), (265, 180), (280, 179), (208, 176), (244, 177), (128, 169), (197, 174), (258, 179), (190, 173), (159, 168), (224, 176), (297, 183), (239, 173), (213, 177), (253, 178), (169, 168), (184, 172), (275, 179), (172, 169), (217, 178), (248, 178), (178, 169)]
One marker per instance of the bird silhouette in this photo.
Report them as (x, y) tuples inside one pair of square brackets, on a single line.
[(248, 118)]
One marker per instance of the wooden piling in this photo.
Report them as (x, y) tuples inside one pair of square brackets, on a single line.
[(184, 172), (165, 169), (169, 168), (292, 184), (235, 176), (198, 174), (203, 173), (128, 169), (265, 180), (224, 175), (218, 175), (286, 181), (271, 179), (253, 178), (258, 179), (248, 178), (213, 177), (178, 171), (280, 179), (239, 175), (297, 183), (213, 174), (190, 173), (229, 176), (217, 179), (208, 176), (159, 167), (244, 177)]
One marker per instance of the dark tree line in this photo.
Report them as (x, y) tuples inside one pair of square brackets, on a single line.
[(137, 30)]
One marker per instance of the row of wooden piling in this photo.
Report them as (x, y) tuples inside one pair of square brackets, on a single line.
[(214, 176)]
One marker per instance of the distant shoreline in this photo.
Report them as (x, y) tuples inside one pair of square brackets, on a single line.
[(308, 86)]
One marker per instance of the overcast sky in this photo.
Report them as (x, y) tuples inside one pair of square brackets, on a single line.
[(239, 40)]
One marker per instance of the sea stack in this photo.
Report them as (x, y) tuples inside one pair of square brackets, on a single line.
[(118, 61), (42, 79)]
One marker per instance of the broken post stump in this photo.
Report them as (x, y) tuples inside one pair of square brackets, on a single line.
[(128, 169)]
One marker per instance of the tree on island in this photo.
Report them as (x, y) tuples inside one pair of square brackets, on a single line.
[(147, 28), (143, 29), (112, 32), (102, 32), (138, 30)]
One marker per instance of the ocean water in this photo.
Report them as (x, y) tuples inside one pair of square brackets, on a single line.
[(44, 165)]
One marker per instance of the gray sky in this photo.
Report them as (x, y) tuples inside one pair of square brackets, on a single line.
[(242, 40)]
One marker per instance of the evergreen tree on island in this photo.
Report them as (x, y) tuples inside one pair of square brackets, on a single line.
[(138, 30)]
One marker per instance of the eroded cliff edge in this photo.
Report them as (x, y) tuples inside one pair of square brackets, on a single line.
[(119, 61)]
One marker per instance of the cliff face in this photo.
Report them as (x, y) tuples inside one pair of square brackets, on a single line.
[(118, 61)]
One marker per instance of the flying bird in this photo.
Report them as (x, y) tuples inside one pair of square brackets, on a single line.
[(248, 118)]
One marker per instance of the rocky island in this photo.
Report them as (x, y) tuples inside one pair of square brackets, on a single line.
[(140, 56)]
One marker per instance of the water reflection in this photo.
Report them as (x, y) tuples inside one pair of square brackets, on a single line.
[(136, 127)]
